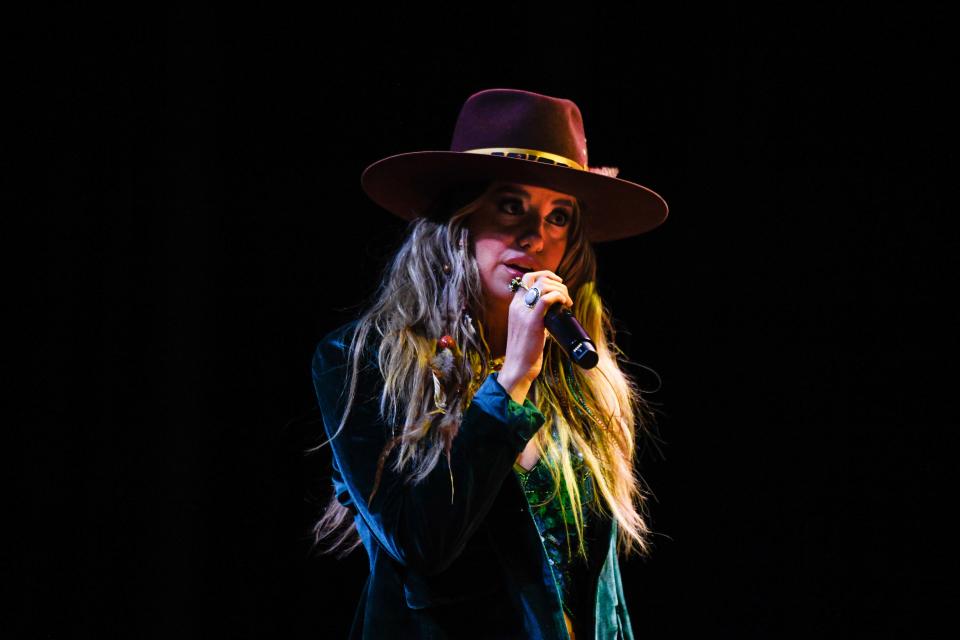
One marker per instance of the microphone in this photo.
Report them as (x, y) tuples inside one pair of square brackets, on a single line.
[(563, 326)]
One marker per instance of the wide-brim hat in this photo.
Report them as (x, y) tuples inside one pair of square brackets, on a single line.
[(523, 137)]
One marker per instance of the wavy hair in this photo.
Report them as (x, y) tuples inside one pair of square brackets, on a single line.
[(432, 288)]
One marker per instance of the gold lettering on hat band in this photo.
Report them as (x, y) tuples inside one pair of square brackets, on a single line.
[(529, 154)]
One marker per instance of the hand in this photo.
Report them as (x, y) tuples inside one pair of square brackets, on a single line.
[(526, 333)]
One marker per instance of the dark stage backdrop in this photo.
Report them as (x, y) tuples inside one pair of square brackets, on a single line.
[(194, 224)]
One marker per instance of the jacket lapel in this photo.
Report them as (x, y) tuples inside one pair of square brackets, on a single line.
[(525, 563), (606, 617), (524, 559)]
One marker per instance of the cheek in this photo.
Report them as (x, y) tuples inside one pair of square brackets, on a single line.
[(487, 251)]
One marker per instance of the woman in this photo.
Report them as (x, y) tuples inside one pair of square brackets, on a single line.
[(488, 477)]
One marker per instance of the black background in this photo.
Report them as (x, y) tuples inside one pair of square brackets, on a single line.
[(194, 223)]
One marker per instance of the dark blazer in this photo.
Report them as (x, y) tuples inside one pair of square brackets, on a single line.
[(464, 560)]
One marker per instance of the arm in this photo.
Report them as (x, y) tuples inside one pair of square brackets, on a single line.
[(416, 524)]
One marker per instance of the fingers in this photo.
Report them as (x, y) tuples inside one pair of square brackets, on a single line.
[(532, 276), (552, 289), (553, 297)]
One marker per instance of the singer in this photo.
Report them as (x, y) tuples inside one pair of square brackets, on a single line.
[(489, 478)]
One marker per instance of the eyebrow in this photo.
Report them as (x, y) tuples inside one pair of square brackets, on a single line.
[(523, 192)]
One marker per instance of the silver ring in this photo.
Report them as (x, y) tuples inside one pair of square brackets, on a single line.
[(533, 294)]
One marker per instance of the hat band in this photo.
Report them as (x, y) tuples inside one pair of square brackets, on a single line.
[(529, 154)]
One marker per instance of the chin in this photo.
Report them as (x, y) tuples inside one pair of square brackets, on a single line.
[(498, 298)]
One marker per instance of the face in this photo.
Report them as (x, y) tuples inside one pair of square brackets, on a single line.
[(518, 224)]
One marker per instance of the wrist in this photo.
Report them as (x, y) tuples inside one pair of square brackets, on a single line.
[(515, 385)]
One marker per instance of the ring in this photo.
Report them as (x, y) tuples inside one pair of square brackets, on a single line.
[(533, 294)]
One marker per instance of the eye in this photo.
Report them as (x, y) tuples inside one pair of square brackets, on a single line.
[(561, 217), (512, 206)]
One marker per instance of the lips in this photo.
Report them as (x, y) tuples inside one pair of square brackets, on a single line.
[(517, 270)]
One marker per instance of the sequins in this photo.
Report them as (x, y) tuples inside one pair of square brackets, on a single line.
[(550, 515)]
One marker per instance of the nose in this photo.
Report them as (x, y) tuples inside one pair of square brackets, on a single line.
[(531, 236)]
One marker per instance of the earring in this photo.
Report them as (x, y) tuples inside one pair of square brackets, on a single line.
[(446, 268)]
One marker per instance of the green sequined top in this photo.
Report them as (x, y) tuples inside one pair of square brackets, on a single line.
[(560, 542)]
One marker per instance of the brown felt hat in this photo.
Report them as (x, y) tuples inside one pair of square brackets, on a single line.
[(522, 137)]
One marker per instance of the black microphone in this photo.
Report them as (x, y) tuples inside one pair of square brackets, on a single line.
[(563, 326)]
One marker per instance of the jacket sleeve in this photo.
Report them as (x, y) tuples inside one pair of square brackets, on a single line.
[(423, 526)]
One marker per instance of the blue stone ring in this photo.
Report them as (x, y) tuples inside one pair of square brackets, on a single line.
[(533, 294)]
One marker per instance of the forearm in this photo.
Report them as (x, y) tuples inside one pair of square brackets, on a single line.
[(427, 524)]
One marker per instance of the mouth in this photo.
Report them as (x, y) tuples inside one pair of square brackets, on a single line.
[(517, 270)]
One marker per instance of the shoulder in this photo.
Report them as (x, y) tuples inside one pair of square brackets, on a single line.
[(336, 343), (333, 349)]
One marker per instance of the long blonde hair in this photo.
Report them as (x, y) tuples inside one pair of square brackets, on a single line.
[(432, 288)]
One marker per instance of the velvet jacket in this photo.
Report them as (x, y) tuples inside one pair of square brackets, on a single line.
[(460, 560)]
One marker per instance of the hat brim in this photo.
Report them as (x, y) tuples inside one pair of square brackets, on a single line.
[(406, 184)]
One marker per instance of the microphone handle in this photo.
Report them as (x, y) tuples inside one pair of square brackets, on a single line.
[(566, 329)]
